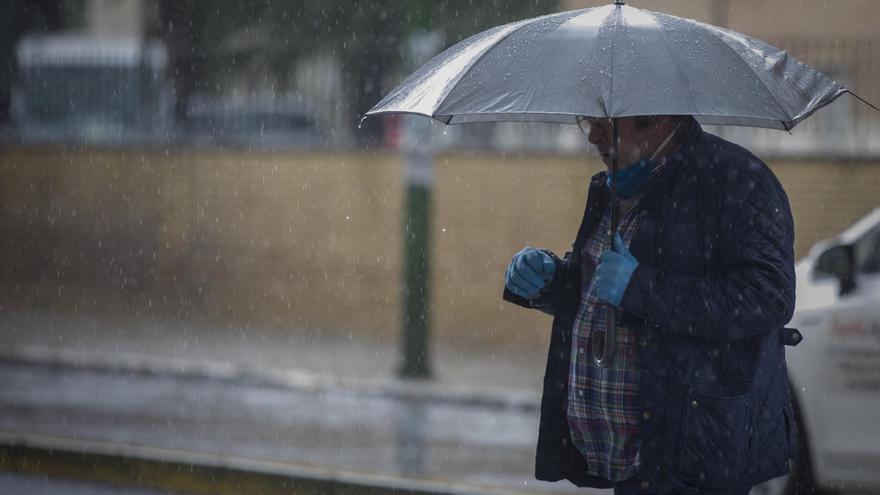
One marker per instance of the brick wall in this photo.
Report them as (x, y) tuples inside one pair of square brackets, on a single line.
[(312, 240)]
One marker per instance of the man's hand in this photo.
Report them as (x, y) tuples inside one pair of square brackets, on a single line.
[(529, 271), (614, 271)]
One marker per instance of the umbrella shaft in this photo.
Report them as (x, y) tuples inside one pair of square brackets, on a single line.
[(615, 140), (604, 343)]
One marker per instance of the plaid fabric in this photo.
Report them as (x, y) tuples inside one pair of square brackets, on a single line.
[(603, 403)]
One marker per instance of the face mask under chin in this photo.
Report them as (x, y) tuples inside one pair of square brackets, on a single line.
[(631, 178)]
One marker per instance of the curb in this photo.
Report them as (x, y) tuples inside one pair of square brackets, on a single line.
[(289, 379), (194, 473)]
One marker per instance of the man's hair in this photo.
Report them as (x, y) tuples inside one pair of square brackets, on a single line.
[(645, 121)]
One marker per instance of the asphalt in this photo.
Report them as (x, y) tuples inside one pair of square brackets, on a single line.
[(504, 380)]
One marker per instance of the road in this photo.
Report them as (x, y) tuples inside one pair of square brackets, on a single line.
[(37, 485), (341, 428)]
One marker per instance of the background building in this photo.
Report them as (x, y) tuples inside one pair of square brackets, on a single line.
[(256, 228)]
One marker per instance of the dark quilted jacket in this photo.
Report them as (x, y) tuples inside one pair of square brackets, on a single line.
[(713, 290)]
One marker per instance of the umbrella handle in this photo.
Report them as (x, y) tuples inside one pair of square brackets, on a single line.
[(603, 343)]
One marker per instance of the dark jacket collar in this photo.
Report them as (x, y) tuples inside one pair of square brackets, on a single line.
[(674, 161)]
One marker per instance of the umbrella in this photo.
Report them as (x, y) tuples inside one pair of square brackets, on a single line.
[(609, 62)]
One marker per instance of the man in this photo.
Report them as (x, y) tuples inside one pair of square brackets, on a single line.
[(695, 398)]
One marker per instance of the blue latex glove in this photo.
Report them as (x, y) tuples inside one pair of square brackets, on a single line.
[(614, 271), (529, 271)]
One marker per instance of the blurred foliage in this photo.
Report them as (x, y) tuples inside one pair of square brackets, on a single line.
[(209, 40)]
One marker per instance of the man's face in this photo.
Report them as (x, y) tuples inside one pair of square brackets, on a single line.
[(635, 143)]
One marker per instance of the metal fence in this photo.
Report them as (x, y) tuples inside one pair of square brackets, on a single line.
[(77, 89)]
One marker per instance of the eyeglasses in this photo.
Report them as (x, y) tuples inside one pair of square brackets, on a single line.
[(585, 123)]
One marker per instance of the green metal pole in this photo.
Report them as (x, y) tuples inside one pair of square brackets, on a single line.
[(419, 174), (416, 361)]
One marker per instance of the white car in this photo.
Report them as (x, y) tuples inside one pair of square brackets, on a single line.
[(835, 370)]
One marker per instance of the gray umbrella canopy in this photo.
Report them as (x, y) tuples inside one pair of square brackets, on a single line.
[(613, 61)]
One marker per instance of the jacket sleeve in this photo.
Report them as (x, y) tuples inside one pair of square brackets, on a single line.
[(549, 297), (752, 293)]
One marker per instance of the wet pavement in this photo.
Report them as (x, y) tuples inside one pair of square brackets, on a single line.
[(346, 428), (305, 399), (146, 342)]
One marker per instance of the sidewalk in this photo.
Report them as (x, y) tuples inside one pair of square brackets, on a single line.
[(308, 359)]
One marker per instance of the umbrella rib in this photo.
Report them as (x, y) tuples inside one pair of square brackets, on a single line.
[(866, 102), (715, 32)]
